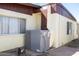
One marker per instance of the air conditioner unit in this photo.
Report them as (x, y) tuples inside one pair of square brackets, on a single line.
[(38, 40)]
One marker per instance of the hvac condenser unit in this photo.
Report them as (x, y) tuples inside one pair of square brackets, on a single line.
[(38, 40)]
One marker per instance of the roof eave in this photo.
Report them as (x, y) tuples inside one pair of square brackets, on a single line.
[(30, 4)]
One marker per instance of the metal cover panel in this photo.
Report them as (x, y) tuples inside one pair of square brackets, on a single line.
[(35, 40)]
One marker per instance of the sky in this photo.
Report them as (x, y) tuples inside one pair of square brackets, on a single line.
[(73, 8)]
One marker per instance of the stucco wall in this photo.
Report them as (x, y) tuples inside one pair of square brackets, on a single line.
[(63, 36), (8, 42), (30, 21), (52, 21), (78, 29), (57, 24), (59, 30), (52, 26), (37, 19)]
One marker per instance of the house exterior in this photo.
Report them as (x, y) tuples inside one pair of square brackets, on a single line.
[(77, 29), (16, 19), (63, 28)]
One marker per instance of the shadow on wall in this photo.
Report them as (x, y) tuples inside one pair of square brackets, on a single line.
[(43, 22)]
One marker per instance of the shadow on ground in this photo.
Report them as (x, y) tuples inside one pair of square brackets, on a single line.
[(67, 50), (74, 44)]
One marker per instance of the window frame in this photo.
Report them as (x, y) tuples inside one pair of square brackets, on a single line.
[(69, 28), (8, 24)]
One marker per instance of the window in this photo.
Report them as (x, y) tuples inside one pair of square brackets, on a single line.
[(4, 25), (11, 25), (22, 26), (69, 28)]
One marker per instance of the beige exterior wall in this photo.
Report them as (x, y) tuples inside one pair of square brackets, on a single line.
[(37, 18), (8, 42), (52, 25), (57, 25), (30, 20), (78, 29), (62, 31), (53, 28)]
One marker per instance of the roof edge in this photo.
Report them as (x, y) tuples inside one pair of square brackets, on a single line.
[(66, 10), (30, 4)]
